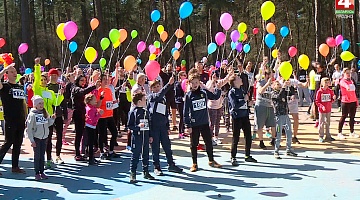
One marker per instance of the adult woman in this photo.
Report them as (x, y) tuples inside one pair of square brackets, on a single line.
[(70, 84), (349, 103)]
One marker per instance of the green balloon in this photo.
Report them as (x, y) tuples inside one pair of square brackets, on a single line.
[(102, 62), (188, 39), (114, 35), (134, 34), (241, 37), (104, 43), (18, 76), (183, 62), (157, 44)]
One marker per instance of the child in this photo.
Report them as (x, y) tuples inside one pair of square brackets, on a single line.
[(92, 117), (324, 98), (38, 122), (240, 119), (179, 100), (139, 125), (279, 97), (196, 118), (160, 127)]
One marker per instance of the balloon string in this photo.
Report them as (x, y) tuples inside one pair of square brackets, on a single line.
[(233, 60), (111, 55), (118, 53), (281, 43), (69, 61), (169, 41), (222, 56), (229, 54), (217, 55), (147, 37), (64, 61), (125, 50), (62, 55), (87, 43), (257, 58)]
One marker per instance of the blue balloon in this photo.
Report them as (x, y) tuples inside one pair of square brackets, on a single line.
[(233, 46), (28, 71), (270, 40), (284, 31), (73, 46), (139, 61), (173, 50), (155, 15), (211, 48), (185, 10), (247, 48), (345, 45), (358, 62)]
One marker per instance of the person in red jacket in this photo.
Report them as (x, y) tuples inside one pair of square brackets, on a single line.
[(324, 98)]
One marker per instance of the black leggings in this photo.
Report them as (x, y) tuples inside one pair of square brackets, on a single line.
[(180, 108), (204, 130), (58, 125), (91, 132), (79, 120), (244, 124), (104, 124), (14, 134), (347, 109), (124, 108)]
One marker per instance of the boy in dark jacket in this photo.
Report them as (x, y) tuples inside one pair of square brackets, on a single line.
[(140, 126), (240, 118), (196, 118)]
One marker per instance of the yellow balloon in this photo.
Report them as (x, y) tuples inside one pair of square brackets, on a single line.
[(267, 10), (152, 57), (304, 61), (347, 56), (160, 29), (274, 53), (285, 70), (242, 27), (117, 44), (60, 31), (90, 54)]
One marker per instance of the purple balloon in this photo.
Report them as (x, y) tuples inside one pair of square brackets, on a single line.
[(70, 30), (239, 47), (218, 64), (235, 35), (339, 39), (42, 68), (141, 46), (220, 38)]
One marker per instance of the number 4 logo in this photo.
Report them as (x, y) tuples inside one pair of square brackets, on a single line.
[(345, 3)]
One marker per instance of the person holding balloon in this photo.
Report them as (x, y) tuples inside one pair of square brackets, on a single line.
[(320, 74), (180, 89), (70, 77)]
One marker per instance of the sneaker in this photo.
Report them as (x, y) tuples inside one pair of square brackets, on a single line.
[(59, 161), (103, 156), (295, 140), (133, 177), (214, 142), (218, 141), (48, 165), (37, 177), (94, 162), (186, 135), (321, 140), (148, 176), (339, 109), (175, 128), (181, 136), (79, 158), (250, 159), (234, 162), (327, 139), (262, 145), (253, 136), (194, 168), (128, 148), (158, 172), (272, 143), (64, 142), (354, 135), (18, 170), (43, 176), (341, 136), (268, 134), (316, 124), (276, 155), (291, 153), (201, 147), (227, 128), (175, 169), (214, 164)]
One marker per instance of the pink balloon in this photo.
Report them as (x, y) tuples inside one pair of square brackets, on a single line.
[(255, 31), (152, 69), (141, 46), (330, 41), (152, 48), (23, 47), (183, 85), (70, 30), (220, 38), (338, 40), (177, 45), (292, 51), (226, 21)]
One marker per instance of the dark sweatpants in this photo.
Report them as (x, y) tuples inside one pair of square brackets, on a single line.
[(91, 135), (180, 109), (139, 145), (58, 125), (160, 135), (39, 155), (238, 124), (204, 130), (104, 124), (79, 120), (347, 109), (14, 134)]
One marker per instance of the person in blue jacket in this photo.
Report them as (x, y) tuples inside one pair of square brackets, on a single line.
[(196, 118), (160, 127)]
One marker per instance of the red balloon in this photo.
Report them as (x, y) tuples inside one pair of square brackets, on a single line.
[(152, 69), (292, 51), (157, 51), (255, 31), (2, 42), (331, 42)]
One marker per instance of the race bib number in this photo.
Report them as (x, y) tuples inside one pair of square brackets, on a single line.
[(1, 109), (302, 78), (325, 98), (46, 94), (352, 87), (317, 78), (146, 125), (244, 107), (199, 104), (18, 94), (109, 105), (40, 119), (161, 108)]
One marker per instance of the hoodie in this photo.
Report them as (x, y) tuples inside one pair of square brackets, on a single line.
[(92, 116), (324, 99), (237, 104), (38, 125), (210, 85), (136, 116), (348, 91)]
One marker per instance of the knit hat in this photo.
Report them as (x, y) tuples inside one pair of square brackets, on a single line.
[(36, 99), (53, 71)]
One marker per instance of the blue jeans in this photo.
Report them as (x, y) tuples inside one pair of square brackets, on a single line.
[(139, 145), (160, 135), (283, 121)]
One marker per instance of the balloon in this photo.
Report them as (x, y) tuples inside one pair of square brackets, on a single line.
[(134, 34), (217, 64), (339, 39), (42, 68), (267, 10), (2, 42), (123, 35), (160, 29), (155, 15), (183, 84), (270, 40), (73, 46), (28, 71), (152, 48), (152, 57), (255, 31), (330, 41), (129, 63), (114, 35), (347, 56), (173, 50), (220, 38), (234, 35), (176, 55), (292, 51), (239, 47), (94, 23), (47, 62), (242, 27), (245, 36), (179, 33), (345, 45), (185, 10), (18, 76), (60, 31), (212, 48), (104, 43), (324, 50), (304, 61), (226, 21), (116, 44), (286, 70), (23, 47), (139, 61), (233, 45), (247, 48), (163, 36), (270, 28), (141, 46), (274, 53), (157, 44), (70, 30), (90, 54), (102, 62), (177, 45), (183, 62), (284, 31), (152, 69), (188, 39), (241, 38)]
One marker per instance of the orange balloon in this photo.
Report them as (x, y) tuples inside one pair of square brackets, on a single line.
[(245, 37), (123, 35), (179, 33), (47, 62), (324, 49), (129, 63), (94, 23), (163, 36), (176, 54), (270, 28)]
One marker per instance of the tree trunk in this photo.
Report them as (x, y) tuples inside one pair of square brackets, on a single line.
[(45, 28), (33, 23), (355, 29), (25, 31), (99, 16), (7, 38), (317, 28)]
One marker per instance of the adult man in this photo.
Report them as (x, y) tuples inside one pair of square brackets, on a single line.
[(13, 99)]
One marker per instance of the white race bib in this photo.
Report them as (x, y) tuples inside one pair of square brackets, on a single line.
[(109, 105), (325, 98), (352, 87), (199, 104), (161, 108), (317, 78), (18, 94), (46, 95), (40, 119), (115, 105), (146, 125)]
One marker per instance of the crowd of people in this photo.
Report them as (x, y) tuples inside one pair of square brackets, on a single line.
[(126, 101)]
